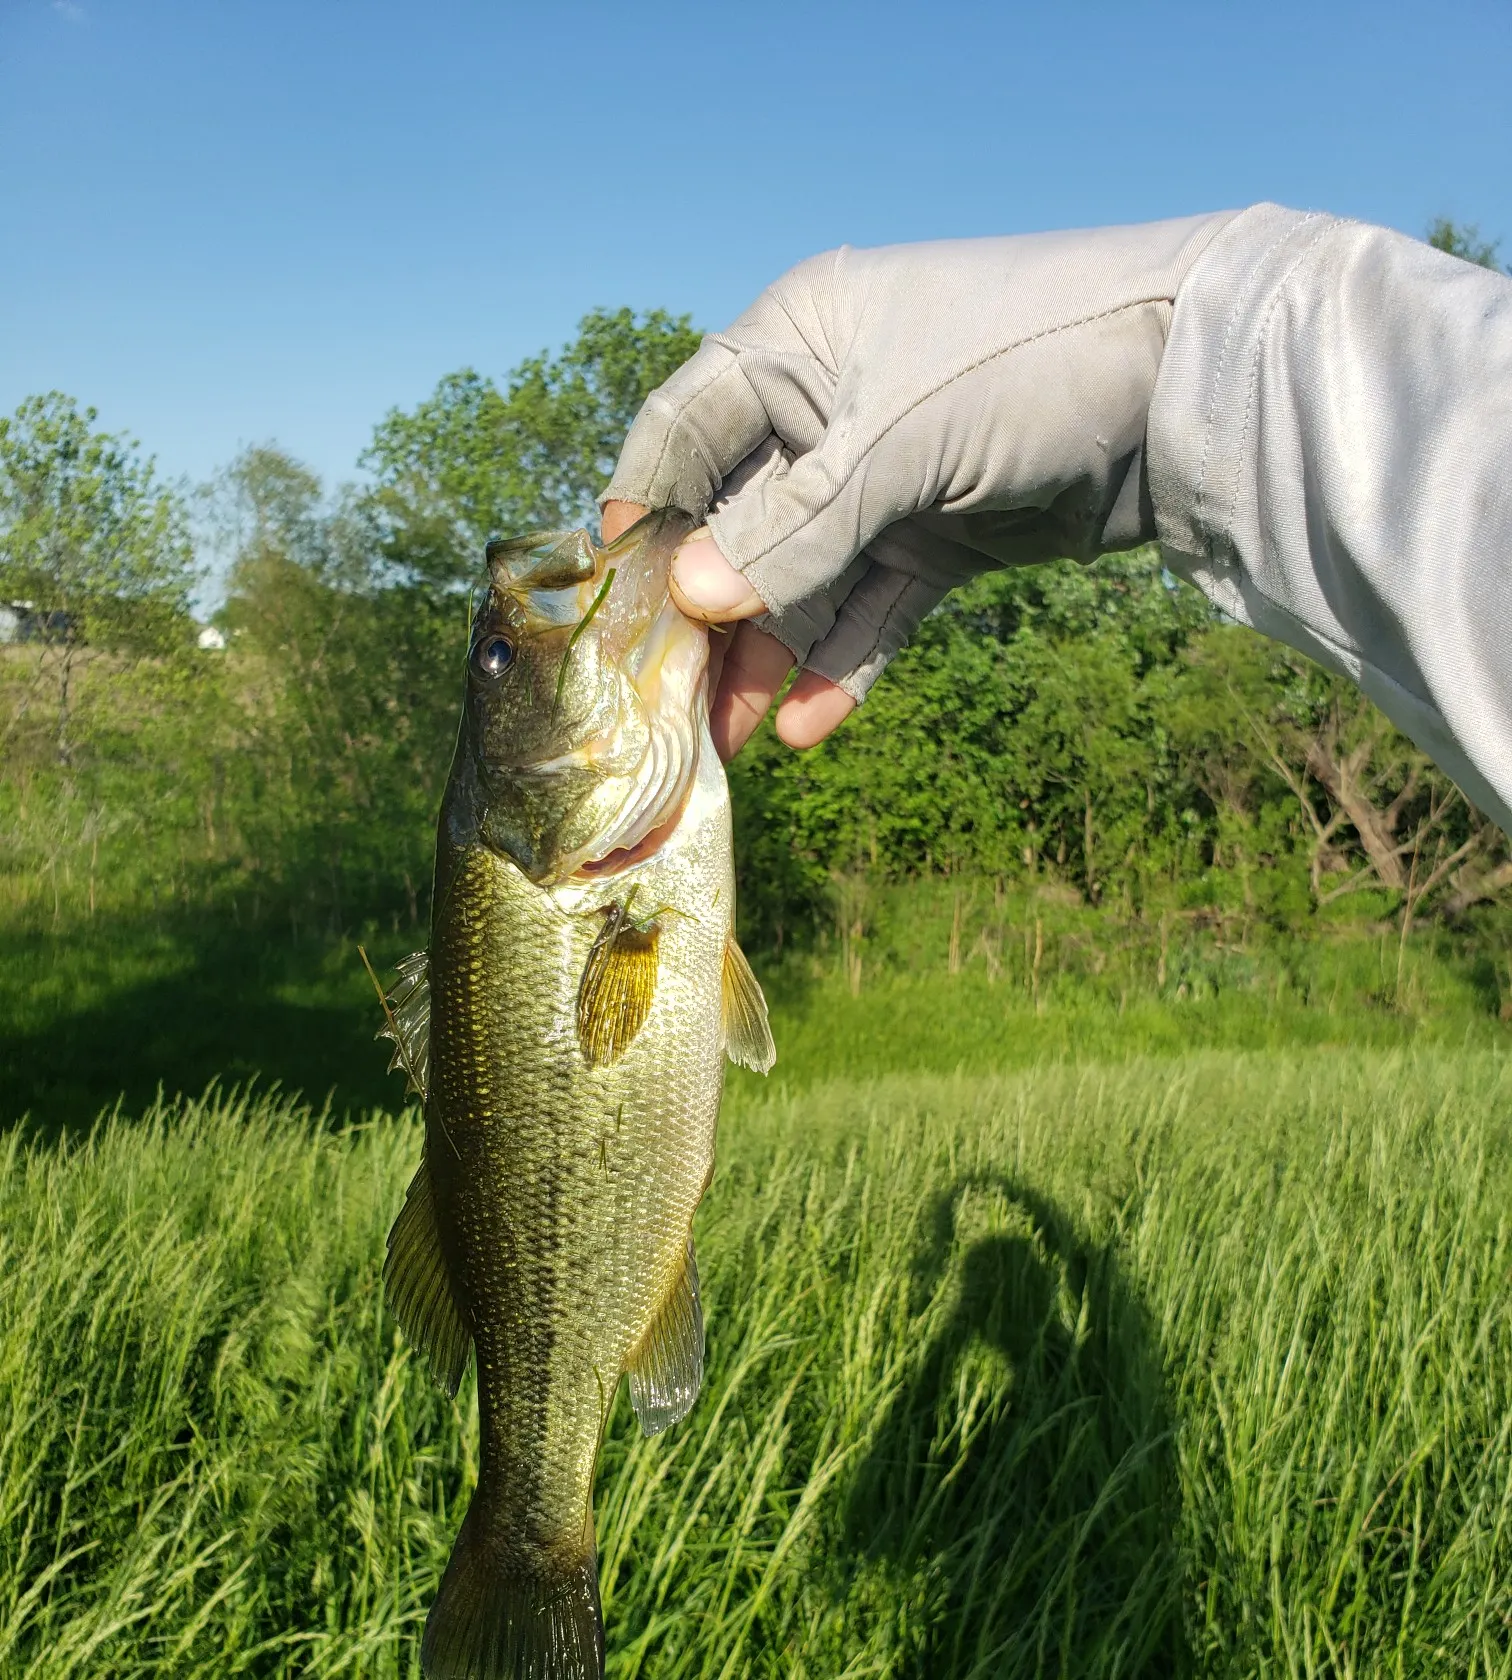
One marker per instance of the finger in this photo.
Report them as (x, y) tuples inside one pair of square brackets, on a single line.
[(772, 371), (755, 666), (618, 517), (706, 586), (795, 532), (811, 709), (689, 433), (877, 620), (711, 588)]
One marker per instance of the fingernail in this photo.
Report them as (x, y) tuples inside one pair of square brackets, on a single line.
[(706, 585)]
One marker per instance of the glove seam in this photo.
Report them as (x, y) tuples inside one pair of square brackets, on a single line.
[(790, 625), (1332, 225), (935, 390), (802, 336), (1209, 428), (848, 682)]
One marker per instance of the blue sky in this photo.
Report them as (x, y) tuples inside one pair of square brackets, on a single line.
[(227, 222)]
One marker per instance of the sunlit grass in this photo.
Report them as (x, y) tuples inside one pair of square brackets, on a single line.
[(1171, 1367)]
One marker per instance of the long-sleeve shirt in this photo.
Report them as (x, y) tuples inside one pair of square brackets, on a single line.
[(1330, 461)]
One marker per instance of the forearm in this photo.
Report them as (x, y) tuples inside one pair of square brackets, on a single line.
[(1328, 452)]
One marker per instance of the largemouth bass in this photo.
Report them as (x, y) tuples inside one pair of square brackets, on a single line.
[(567, 1031)]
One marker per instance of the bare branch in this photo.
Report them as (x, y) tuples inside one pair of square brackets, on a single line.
[(1362, 878)]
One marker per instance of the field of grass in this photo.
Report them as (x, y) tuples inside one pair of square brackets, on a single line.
[(1170, 1366), (926, 976)]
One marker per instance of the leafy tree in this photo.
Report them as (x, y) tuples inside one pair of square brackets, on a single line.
[(1021, 733), (343, 754), (1224, 786), (266, 502), (471, 461), (1464, 241), (1130, 592), (91, 540)]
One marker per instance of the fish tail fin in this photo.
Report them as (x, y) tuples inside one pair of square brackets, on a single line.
[(493, 1620)]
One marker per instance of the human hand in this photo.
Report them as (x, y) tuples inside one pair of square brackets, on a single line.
[(881, 425), (746, 665)]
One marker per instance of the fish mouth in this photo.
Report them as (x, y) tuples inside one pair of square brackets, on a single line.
[(626, 857), (669, 680)]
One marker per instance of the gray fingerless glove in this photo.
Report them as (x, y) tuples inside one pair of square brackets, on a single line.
[(883, 424)]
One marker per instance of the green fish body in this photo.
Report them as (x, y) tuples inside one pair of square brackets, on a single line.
[(584, 991)]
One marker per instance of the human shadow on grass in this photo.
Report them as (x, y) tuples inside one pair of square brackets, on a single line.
[(1022, 1484)]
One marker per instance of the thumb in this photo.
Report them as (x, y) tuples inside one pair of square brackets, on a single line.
[(706, 586)]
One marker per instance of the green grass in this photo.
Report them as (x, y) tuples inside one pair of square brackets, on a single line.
[(1175, 1366), (91, 1010)]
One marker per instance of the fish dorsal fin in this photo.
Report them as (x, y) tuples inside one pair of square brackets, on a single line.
[(406, 1020), (618, 984), (666, 1370), (418, 1287), (748, 1033)]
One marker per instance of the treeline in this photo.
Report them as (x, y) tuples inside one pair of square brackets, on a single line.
[(1097, 728), (1101, 729), (293, 776)]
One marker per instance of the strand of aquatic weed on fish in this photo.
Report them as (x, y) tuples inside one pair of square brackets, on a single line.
[(572, 641)]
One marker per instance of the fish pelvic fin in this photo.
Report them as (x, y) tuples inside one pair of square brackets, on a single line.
[(419, 1289), (748, 1032), (492, 1620), (666, 1370), (618, 985)]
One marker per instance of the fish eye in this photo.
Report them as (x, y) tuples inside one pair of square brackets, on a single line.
[(493, 655)]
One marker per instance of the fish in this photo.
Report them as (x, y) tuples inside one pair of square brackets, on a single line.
[(567, 1032)]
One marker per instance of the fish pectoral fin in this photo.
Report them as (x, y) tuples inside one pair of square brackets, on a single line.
[(618, 984), (666, 1370), (748, 1033), (406, 1020), (418, 1287)]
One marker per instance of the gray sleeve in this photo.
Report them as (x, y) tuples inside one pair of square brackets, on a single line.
[(1330, 461)]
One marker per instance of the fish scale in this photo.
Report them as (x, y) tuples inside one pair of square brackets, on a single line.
[(526, 1122), (578, 1025)]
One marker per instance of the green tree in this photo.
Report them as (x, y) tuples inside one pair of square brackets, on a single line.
[(95, 545), (1464, 240), (345, 746), (267, 502), (1022, 732), (471, 461)]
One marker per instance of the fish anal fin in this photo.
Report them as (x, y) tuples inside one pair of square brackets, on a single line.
[(748, 1033), (418, 1287), (618, 985), (498, 1618), (666, 1370)]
